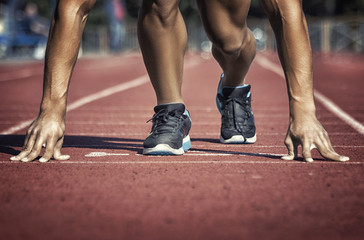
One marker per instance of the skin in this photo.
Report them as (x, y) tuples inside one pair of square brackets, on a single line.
[(290, 27), (62, 49), (163, 38)]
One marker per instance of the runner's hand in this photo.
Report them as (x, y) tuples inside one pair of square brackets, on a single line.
[(45, 130), (309, 134)]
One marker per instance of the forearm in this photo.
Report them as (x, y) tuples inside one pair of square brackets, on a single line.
[(61, 55), (294, 49), (296, 58), (290, 28)]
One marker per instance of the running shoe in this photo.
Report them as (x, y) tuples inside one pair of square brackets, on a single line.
[(237, 120), (169, 134)]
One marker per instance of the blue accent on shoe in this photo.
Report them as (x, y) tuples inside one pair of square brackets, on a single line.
[(186, 145)]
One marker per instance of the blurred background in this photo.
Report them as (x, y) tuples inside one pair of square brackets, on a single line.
[(334, 26)]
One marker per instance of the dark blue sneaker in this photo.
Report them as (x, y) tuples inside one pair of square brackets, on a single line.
[(237, 120), (169, 134)]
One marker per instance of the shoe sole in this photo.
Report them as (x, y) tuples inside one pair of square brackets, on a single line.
[(238, 139), (165, 149)]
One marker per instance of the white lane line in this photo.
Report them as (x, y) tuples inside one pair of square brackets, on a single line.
[(329, 104), (193, 154), (142, 123), (85, 100), (122, 143), (188, 154), (107, 92), (151, 162), (104, 154), (195, 134), (339, 112), (16, 128), (104, 93), (201, 154)]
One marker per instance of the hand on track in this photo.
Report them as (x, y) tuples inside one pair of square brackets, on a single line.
[(309, 134), (45, 131)]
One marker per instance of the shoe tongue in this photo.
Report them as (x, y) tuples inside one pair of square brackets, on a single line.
[(236, 92), (180, 107)]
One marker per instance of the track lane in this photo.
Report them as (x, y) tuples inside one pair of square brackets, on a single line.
[(229, 192)]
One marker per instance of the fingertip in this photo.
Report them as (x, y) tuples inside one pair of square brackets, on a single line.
[(308, 159), (287, 157), (63, 157), (25, 159), (43, 160), (14, 158), (344, 158)]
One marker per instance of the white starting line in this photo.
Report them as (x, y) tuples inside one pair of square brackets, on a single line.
[(189, 153), (116, 144), (104, 154), (186, 162)]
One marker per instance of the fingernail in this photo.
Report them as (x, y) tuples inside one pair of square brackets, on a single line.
[(309, 160), (64, 157), (344, 159), (287, 157), (24, 159), (43, 160), (14, 158)]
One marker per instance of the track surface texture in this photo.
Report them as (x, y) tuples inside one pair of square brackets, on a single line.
[(108, 190)]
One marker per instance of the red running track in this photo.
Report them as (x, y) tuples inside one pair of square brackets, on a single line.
[(107, 190)]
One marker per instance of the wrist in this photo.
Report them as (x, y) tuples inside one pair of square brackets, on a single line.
[(55, 108), (302, 108)]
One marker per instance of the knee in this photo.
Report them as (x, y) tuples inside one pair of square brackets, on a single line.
[(229, 45), (164, 11), (73, 9), (233, 44)]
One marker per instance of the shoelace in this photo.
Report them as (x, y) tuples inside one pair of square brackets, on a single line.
[(164, 121), (245, 106)]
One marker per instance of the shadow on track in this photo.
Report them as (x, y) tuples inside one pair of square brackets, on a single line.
[(209, 140), (8, 143)]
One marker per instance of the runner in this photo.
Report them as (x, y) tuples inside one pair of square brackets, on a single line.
[(162, 36)]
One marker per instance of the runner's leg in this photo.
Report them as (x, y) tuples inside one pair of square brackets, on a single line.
[(163, 37), (233, 43)]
